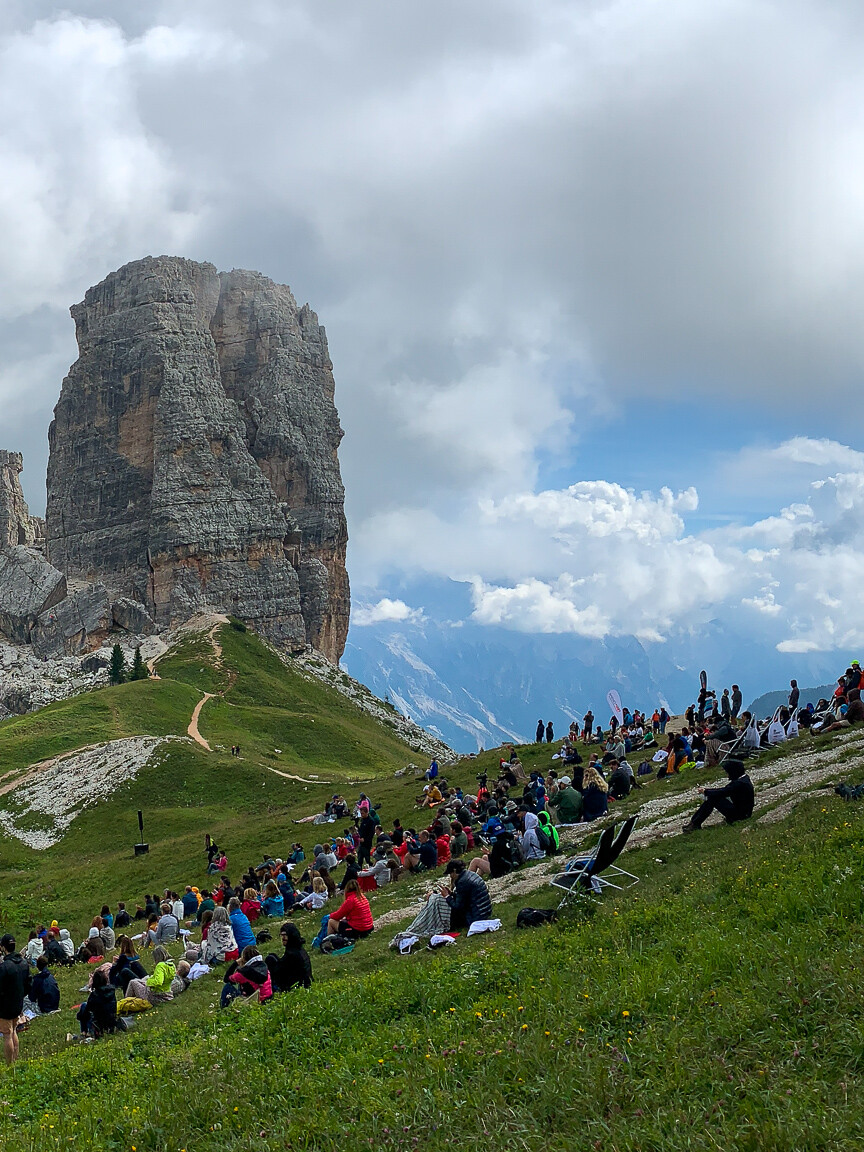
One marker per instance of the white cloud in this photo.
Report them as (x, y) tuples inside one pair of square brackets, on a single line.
[(385, 611)]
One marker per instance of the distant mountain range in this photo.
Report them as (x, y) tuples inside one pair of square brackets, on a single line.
[(476, 686)]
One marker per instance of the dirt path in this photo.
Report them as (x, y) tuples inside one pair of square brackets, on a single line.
[(22, 776), (192, 730)]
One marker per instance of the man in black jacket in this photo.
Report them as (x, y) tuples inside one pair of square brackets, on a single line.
[(467, 896), (14, 986), (734, 800)]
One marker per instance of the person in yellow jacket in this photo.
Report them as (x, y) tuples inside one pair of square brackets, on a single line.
[(155, 989)]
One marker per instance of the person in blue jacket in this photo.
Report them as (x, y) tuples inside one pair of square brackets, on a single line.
[(240, 925)]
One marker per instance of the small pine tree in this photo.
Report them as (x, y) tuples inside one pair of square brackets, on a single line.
[(117, 667), (139, 668)]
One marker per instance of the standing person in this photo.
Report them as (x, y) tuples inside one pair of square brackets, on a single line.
[(664, 720), (655, 723), (588, 726), (538, 736), (550, 733), (14, 986), (737, 701), (366, 828), (794, 695), (726, 705)]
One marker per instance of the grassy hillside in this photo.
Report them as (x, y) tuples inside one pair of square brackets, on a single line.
[(248, 804), (715, 1005)]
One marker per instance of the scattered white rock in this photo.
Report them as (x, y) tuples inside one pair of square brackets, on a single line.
[(42, 803), (28, 683)]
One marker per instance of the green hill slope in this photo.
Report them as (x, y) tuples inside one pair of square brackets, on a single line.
[(300, 741), (715, 1005)]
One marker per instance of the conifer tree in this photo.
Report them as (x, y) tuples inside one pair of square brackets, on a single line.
[(117, 667), (139, 668)]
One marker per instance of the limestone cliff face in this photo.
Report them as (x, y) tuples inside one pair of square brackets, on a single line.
[(193, 453), (17, 526)]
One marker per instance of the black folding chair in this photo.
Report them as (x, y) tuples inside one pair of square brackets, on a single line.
[(583, 875)]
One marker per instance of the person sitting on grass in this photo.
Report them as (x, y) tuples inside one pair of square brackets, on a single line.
[(127, 966), (595, 801), (412, 854), (44, 995), (92, 950), (353, 917), (240, 925), (734, 801), (98, 1014), (219, 864), (155, 989), (181, 981), (251, 905), (530, 845), (620, 779), (168, 926), (466, 894), (352, 870), (315, 900), (293, 969), (378, 875), (247, 976), (273, 903), (854, 713), (219, 944), (122, 919), (567, 802)]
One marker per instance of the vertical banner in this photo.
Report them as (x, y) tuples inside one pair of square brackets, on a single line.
[(615, 704)]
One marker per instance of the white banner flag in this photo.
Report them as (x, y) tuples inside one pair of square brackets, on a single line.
[(615, 704)]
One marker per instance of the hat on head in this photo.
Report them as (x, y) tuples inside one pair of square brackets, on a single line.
[(564, 780), (54, 924)]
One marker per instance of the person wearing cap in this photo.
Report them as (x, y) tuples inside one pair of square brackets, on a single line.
[(566, 803), (734, 801), (14, 986)]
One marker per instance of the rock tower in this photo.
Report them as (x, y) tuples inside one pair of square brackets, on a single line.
[(193, 461)]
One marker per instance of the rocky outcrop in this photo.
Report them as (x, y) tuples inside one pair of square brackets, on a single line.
[(17, 526), (194, 458), (29, 585), (80, 621), (132, 617)]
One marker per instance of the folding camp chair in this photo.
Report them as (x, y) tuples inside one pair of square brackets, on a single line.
[(583, 875)]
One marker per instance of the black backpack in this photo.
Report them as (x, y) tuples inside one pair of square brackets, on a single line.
[(534, 917)]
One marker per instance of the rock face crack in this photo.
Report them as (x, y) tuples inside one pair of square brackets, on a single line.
[(193, 462)]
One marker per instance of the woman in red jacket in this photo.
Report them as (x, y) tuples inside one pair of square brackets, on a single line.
[(353, 917)]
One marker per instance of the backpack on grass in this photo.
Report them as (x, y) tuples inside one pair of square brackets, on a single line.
[(535, 917)]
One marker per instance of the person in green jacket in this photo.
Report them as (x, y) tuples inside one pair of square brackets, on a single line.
[(156, 989), (544, 821), (567, 802)]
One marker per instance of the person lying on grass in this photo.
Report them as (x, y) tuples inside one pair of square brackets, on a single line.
[(734, 801), (248, 976)]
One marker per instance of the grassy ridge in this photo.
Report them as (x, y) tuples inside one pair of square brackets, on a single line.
[(716, 1005)]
